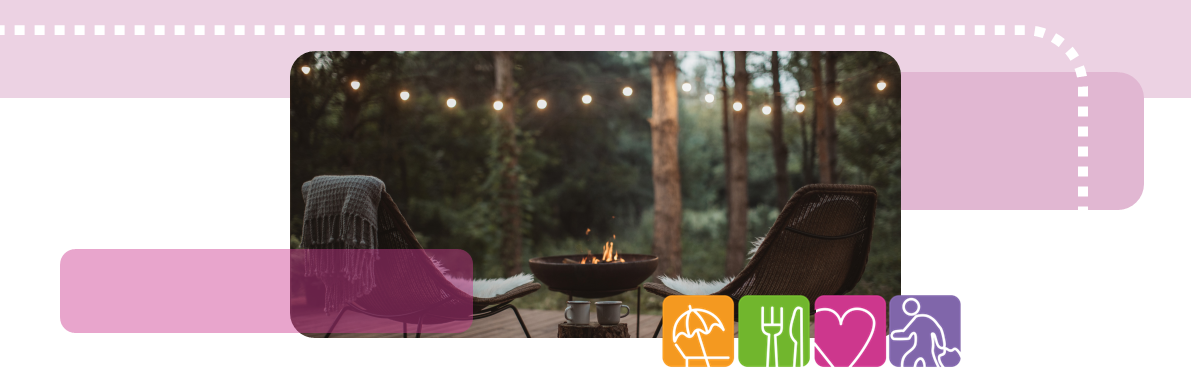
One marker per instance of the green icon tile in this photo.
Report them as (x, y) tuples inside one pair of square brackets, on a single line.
[(774, 331)]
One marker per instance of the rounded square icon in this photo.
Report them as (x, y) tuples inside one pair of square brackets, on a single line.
[(924, 331), (775, 330), (698, 330), (850, 331)]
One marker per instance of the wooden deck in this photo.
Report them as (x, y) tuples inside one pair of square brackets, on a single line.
[(541, 324)]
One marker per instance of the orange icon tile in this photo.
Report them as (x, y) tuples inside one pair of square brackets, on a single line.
[(698, 331)]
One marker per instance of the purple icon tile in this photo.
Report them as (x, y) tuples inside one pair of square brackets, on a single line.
[(924, 331)]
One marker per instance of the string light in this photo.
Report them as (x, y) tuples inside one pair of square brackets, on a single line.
[(686, 87), (709, 98), (881, 85), (627, 91), (586, 99), (541, 104), (766, 109), (355, 84), (305, 70), (799, 107), (498, 105), (737, 106), (404, 95), (838, 100), (450, 103)]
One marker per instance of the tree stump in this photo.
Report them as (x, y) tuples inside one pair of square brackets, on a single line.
[(593, 330)]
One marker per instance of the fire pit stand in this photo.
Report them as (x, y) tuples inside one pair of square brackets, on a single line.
[(594, 281)]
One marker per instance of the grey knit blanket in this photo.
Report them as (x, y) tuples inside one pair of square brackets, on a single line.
[(339, 234)]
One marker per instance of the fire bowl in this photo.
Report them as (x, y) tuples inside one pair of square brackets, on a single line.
[(593, 280)]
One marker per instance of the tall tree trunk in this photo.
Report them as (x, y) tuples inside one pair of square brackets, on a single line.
[(667, 189), (738, 172), (780, 154), (510, 183), (808, 149), (829, 79), (726, 100), (824, 120)]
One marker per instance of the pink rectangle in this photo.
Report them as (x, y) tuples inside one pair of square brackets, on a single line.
[(175, 290), (249, 290), (1009, 141)]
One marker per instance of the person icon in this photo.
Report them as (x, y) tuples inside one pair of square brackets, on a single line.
[(925, 337)]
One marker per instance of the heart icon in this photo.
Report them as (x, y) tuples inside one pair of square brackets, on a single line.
[(853, 337)]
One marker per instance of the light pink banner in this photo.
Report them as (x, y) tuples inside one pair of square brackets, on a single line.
[(1011, 141), (258, 291), (195, 66)]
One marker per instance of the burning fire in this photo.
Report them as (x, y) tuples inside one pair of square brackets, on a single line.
[(610, 255)]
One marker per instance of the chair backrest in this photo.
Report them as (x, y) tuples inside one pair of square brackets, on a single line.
[(405, 282), (819, 245)]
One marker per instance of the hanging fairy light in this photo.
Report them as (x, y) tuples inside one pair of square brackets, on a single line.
[(450, 102), (498, 105), (541, 104), (799, 107), (838, 100), (686, 87), (404, 95), (766, 109), (355, 84), (586, 99), (305, 70), (881, 85), (709, 98), (737, 106), (627, 91)]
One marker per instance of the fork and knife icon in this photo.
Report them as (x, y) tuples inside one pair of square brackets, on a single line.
[(774, 327)]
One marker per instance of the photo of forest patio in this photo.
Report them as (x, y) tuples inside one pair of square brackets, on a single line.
[(585, 187)]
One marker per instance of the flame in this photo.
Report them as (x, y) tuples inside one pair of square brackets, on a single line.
[(588, 232), (610, 254)]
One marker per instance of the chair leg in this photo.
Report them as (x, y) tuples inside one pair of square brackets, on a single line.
[(523, 329), (419, 334), (335, 322), (659, 330)]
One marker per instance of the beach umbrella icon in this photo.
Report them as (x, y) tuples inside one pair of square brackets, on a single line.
[(694, 323)]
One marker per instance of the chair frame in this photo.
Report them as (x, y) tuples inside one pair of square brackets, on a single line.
[(745, 279), (481, 307)]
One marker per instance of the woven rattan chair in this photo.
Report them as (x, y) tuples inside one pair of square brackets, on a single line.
[(410, 280), (818, 246)]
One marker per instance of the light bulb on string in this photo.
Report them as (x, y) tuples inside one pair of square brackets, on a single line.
[(766, 109), (799, 107), (450, 102), (404, 95), (541, 104), (838, 100), (586, 99), (355, 84), (305, 70), (686, 87), (709, 98), (498, 105), (627, 91), (737, 106), (881, 85)]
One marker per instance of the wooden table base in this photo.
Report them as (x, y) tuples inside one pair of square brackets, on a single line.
[(593, 330)]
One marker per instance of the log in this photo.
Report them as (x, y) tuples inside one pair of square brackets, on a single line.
[(593, 330)]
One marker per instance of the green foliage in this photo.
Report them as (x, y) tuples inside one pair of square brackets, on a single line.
[(581, 166)]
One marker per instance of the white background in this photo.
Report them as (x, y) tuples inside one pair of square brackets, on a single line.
[(1043, 292)]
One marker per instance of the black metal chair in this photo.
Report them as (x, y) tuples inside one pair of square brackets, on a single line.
[(409, 280), (819, 245)]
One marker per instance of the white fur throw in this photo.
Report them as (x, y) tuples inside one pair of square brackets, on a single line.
[(700, 287), (694, 287), (485, 287), (492, 287), (756, 245)]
